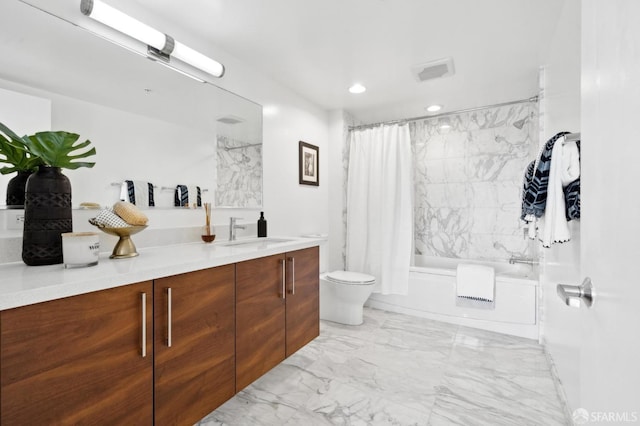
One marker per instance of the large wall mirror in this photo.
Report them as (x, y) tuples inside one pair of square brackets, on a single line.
[(147, 122)]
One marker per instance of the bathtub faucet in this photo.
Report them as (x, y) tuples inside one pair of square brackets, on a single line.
[(526, 260)]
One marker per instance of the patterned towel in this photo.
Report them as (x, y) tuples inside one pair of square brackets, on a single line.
[(553, 227), (138, 192), (526, 183), (107, 218), (187, 196), (572, 196), (534, 198)]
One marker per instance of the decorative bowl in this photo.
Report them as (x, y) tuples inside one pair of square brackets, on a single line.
[(124, 248)]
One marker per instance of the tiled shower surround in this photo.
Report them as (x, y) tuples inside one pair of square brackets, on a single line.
[(468, 179), (239, 173)]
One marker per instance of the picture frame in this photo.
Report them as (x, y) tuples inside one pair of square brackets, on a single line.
[(309, 164)]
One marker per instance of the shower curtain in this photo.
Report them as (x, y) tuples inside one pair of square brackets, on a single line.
[(379, 206)]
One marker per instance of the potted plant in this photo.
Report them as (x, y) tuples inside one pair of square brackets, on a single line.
[(48, 192), (19, 161)]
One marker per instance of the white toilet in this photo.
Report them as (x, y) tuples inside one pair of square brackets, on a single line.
[(342, 296)]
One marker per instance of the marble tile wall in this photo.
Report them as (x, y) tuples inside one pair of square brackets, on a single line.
[(349, 121), (239, 173), (468, 179)]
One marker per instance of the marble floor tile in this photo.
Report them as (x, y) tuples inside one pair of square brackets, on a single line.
[(401, 370)]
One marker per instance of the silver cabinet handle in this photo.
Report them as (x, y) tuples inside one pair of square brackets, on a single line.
[(574, 295), (169, 317), (284, 280), (144, 325), (293, 275)]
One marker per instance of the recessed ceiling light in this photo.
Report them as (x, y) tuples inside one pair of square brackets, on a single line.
[(434, 108), (269, 110), (357, 88)]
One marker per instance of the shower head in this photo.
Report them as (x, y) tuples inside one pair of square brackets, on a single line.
[(520, 123)]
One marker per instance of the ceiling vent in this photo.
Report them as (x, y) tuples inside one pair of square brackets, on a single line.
[(434, 69), (230, 119)]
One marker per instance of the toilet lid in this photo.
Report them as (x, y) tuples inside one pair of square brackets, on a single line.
[(348, 277)]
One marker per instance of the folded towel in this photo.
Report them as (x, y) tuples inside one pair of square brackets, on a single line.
[(138, 192), (565, 168), (475, 282), (187, 196), (108, 219)]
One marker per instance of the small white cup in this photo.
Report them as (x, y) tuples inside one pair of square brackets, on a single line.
[(80, 249)]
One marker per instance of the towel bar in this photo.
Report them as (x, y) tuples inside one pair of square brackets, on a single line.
[(162, 188), (173, 188), (120, 184)]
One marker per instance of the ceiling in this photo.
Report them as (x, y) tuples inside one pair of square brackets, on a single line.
[(318, 48)]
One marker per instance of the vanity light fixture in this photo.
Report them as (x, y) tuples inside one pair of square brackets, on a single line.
[(357, 88), (434, 108), (164, 61), (161, 47)]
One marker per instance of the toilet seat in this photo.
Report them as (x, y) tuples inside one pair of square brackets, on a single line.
[(350, 278)]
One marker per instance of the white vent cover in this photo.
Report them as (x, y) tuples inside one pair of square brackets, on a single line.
[(434, 69), (230, 119)]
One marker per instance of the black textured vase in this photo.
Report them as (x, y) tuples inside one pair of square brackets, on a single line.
[(15, 190), (47, 214)]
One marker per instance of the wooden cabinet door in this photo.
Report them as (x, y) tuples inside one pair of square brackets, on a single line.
[(79, 360), (303, 310), (260, 317), (195, 369)]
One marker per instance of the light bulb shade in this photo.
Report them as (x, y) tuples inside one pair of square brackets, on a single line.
[(197, 59), (166, 48), (122, 22)]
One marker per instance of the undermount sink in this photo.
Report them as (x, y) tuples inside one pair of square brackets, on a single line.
[(258, 242)]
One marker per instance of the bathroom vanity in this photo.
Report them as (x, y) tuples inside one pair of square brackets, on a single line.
[(164, 338)]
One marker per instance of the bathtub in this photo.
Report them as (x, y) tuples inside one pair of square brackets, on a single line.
[(432, 294)]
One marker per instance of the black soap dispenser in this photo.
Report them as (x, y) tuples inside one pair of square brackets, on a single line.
[(262, 226)]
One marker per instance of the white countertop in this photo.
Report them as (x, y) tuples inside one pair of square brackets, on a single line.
[(22, 285)]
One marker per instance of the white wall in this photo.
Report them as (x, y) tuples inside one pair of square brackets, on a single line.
[(336, 179), (24, 114), (290, 208), (561, 262)]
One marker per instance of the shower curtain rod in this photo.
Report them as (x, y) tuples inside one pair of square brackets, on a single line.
[(444, 114)]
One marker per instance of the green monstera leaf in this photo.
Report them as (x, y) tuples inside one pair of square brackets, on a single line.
[(55, 149), (14, 152)]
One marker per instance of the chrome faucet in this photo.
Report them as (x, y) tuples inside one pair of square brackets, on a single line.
[(233, 227), (527, 261)]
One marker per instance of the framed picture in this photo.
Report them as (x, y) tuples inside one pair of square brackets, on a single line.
[(309, 164)]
